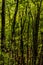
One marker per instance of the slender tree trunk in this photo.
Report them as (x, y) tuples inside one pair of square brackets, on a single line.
[(21, 46), (3, 28), (13, 42), (28, 49), (35, 35), (13, 24), (21, 40), (42, 49), (40, 59)]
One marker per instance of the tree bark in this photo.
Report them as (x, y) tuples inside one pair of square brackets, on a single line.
[(35, 34), (28, 48), (13, 42), (3, 28), (3, 25)]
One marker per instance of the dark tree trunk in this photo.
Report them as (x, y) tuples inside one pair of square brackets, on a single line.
[(3, 28), (21, 41), (21, 45), (35, 34), (35, 37), (42, 50), (28, 48), (3, 25), (40, 59), (13, 42), (13, 23)]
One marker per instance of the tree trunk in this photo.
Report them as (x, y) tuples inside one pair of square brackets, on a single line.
[(3, 25), (13, 42), (3, 28), (28, 48), (35, 34), (40, 60)]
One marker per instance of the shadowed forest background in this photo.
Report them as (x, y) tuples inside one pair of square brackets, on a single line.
[(21, 32)]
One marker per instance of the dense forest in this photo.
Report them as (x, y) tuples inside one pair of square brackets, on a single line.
[(21, 32)]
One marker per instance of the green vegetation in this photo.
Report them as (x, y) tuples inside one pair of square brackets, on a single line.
[(21, 32)]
